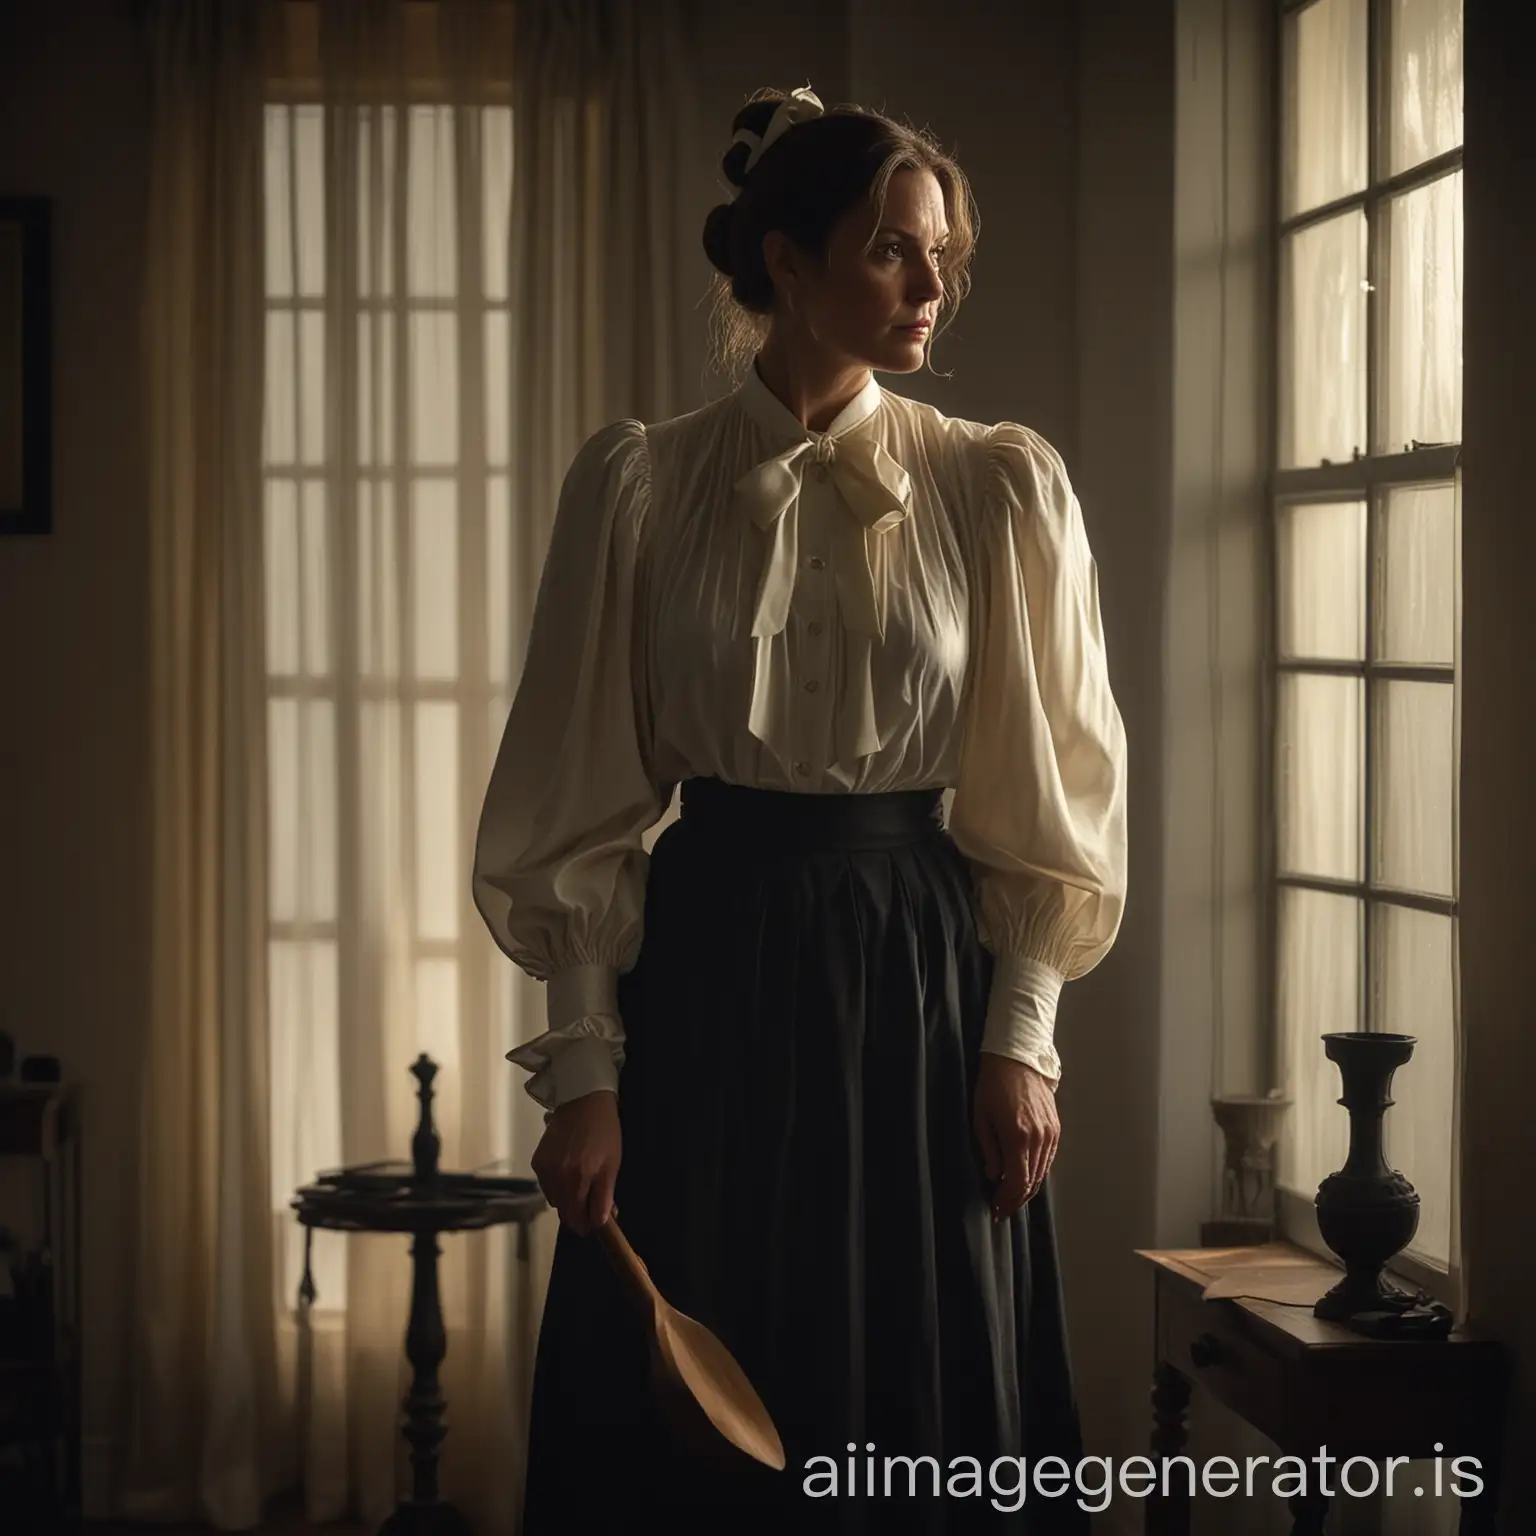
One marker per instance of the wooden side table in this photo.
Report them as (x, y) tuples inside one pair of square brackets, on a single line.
[(1311, 1386), (419, 1198), (40, 1367)]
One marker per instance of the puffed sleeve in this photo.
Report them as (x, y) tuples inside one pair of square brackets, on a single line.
[(1039, 804), (559, 869)]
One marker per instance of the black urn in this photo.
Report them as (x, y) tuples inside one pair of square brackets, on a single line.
[(1367, 1212)]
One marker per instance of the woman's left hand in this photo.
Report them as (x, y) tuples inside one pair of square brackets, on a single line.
[(1014, 1115)]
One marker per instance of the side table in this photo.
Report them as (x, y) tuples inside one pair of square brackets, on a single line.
[(416, 1197), (40, 1390), (1310, 1386)]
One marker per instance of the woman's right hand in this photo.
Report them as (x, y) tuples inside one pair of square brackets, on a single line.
[(577, 1159)]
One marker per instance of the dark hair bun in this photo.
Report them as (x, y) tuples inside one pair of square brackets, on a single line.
[(717, 236), (719, 223)]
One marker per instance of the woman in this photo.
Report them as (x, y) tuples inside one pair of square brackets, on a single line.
[(821, 1090)]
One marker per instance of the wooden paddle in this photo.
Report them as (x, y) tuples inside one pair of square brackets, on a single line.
[(691, 1369)]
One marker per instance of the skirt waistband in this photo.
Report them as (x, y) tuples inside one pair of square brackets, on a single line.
[(804, 822)]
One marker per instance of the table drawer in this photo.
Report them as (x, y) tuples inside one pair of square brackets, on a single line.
[(1208, 1342)]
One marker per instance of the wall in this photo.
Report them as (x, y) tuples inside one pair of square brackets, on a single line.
[(74, 832), (1498, 744), (995, 85)]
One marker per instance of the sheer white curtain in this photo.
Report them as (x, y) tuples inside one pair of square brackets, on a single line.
[(203, 1437), (463, 234), (387, 198)]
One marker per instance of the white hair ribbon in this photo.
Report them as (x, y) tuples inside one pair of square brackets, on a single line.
[(798, 107)]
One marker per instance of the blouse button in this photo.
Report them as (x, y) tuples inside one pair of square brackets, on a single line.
[(817, 562), (815, 626), (821, 471), (812, 686), (803, 769)]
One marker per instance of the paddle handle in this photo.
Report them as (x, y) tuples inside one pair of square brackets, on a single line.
[(631, 1269)]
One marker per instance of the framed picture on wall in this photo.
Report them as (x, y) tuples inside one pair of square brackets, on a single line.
[(26, 430)]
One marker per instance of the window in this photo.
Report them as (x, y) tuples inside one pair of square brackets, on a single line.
[(388, 561), (1367, 580)]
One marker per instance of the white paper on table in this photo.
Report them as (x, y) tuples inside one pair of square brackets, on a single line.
[(1298, 1282)]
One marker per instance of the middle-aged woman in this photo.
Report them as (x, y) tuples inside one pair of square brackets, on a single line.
[(820, 1092)]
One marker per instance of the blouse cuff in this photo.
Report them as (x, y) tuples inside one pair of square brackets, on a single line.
[(585, 1057), (1021, 1014), (579, 991)]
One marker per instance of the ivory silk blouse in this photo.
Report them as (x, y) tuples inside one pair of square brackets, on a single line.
[(903, 601)]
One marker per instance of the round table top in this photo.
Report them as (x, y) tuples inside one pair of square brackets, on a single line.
[(390, 1197)]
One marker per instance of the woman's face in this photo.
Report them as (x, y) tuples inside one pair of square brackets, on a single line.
[(861, 307)]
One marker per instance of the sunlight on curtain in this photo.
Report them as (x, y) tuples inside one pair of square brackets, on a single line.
[(390, 627), (1324, 105), (1320, 758), (401, 551), (1426, 117), (1422, 345), (1322, 341)]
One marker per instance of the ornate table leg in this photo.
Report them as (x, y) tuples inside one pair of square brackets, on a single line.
[(426, 1343), (1170, 1431)]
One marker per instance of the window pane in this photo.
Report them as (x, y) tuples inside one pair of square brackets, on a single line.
[(278, 205), (1320, 945), (378, 590), (309, 197), (1413, 981), (1325, 103), (1322, 580), (498, 574), (438, 844), (1322, 382), (1415, 750), (297, 580), (434, 578), (1318, 753), (434, 368), (375, 388), (1416, 575), (301, 830), (432, 209), (282, 575), (293, 418), (1426, 81), (311, 388), (1422, 351), (496, 179), (376, 201), (280, 415), (294, 191), (497, 401), (316, 581)]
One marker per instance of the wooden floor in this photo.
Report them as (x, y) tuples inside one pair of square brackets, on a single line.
[(286, 1519), (295, 1526)]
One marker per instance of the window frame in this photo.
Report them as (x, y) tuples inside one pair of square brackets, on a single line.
[(1367, 477), (482, 688)]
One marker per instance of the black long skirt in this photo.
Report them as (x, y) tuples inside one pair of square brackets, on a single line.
[(800, 1174)]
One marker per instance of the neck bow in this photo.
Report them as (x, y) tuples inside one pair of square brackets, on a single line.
[(874, 494)]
